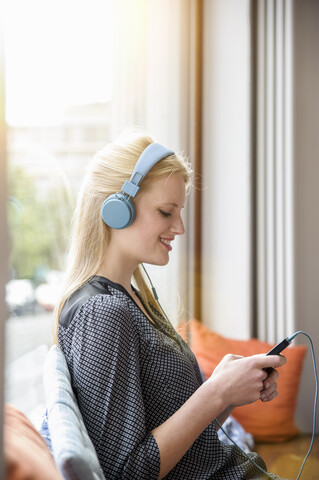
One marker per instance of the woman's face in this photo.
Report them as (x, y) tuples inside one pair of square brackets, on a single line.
[(158, 220)]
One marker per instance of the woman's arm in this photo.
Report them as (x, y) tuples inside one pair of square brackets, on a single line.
[(235, 381), (177, 434)]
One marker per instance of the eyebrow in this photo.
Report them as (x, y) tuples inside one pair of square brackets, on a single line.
[(173, 204)]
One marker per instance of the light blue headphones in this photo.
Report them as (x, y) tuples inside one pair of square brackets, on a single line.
[(118, 210)]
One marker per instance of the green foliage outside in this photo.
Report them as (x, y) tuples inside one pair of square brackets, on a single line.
[(39, 227)]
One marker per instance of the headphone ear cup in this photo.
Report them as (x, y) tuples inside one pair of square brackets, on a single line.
[(118, 211)]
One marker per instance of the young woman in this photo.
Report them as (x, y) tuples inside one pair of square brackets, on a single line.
[(138, 385)]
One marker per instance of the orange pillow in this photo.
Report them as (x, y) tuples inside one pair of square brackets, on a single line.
[(266, 421), (26, 453)]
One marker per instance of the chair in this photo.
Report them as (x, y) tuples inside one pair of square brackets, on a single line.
[(72, 448)]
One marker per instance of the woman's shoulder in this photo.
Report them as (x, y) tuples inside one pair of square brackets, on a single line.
[(94, 298)]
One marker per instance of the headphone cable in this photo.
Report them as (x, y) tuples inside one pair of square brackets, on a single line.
[(271, 475), (176, 337)]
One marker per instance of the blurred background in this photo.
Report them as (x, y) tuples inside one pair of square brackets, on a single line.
[(233, 84)]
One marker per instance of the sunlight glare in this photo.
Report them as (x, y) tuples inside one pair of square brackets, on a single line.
[(57, 54)]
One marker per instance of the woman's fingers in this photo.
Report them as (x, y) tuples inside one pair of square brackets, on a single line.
[(244, 380), (267, 398), (269, 391)]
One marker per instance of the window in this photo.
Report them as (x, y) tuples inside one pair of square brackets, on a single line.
[(77, 74), (58, 76)]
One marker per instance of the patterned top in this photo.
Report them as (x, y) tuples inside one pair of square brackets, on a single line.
[(129, 376)]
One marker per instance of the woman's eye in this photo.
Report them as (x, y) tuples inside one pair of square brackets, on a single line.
[(165, 214)]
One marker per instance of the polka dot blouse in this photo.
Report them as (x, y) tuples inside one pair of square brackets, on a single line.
[(129, 376)]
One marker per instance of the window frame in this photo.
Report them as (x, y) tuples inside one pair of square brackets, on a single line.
[(3, 237)]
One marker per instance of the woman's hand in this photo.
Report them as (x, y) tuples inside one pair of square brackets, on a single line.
[(243, 380)]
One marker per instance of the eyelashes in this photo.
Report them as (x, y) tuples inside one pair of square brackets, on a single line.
[(165, 214)]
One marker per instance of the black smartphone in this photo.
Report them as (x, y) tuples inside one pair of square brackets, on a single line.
[(279, 347), (276, 350)]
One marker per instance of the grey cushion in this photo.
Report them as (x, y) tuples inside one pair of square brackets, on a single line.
[(72, 448)]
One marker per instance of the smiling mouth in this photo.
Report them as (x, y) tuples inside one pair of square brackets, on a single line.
[(166, 242)]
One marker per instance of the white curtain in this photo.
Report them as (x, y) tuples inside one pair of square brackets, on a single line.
[(275, 276)]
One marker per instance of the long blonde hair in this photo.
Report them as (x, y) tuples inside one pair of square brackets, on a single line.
[(106, 173)]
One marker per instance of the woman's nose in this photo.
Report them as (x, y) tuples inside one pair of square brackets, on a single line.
[(178, 226)]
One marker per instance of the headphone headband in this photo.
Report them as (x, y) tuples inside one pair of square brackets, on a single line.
[(118, 210), (149, 157)]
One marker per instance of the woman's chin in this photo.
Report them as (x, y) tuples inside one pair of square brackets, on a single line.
[(160, 262)]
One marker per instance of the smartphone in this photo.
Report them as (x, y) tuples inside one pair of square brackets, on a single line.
[(276, 351), (279, 347)]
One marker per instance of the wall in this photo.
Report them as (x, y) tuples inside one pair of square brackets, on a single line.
[(306, 156), (226, 167)]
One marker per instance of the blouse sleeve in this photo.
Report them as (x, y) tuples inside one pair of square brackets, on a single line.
[(104, 364)]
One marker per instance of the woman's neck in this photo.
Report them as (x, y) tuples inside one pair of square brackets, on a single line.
[(118, 266), (117, 275)]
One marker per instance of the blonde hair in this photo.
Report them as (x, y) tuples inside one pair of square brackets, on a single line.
[(106, 173)]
